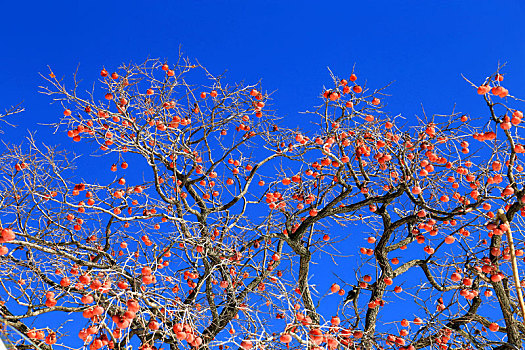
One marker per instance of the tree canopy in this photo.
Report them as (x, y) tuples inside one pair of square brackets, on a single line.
[(208, 214)]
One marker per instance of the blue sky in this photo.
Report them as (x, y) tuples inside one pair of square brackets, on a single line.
[(421, 46)]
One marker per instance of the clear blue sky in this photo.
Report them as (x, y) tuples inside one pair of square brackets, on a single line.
[(424, 46)]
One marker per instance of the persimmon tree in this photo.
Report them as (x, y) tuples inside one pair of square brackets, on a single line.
[(207, 215)]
